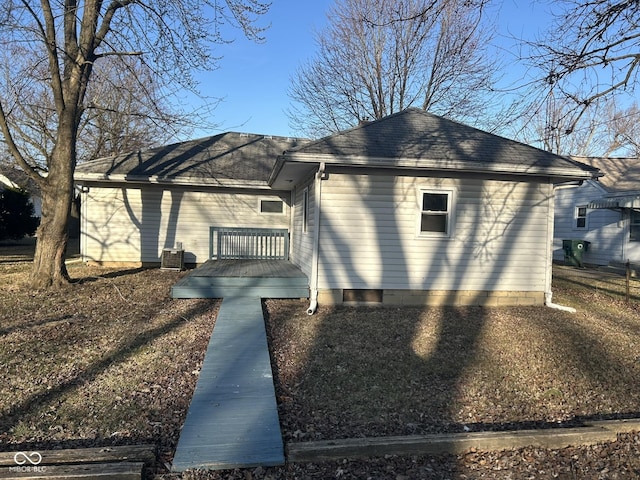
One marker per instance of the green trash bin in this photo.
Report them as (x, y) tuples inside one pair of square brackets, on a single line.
[(574, 252)]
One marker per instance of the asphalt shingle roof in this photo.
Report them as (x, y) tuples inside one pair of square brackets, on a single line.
[(416, 134), (620, 174), (219, 158), (20, 178), (426, 140)]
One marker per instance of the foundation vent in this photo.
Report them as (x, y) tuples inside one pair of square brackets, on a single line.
[(362, 296)]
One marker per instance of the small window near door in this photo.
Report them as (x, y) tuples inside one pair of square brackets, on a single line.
[(634, 226), (435, 212), (271, 206), (305, 210), (581, 217)]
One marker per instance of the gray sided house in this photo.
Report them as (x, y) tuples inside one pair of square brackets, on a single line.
[(604, 212), (409, 209)]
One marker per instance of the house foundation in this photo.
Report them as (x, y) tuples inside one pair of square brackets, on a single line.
[(434, 298)]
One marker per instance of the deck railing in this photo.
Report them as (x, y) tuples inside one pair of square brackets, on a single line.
[(248, 243)]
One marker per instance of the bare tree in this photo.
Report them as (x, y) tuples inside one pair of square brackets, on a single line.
[(127, 110), (603, 130), (378, 57), (625, 131), (65, 41), (592, 52)]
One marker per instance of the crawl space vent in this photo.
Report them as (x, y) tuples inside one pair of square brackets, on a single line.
[(361, 296)]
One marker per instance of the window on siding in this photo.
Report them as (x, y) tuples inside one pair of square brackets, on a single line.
[(305, 209), (581, 217), (271, 206), (435, 212), (634, 226)]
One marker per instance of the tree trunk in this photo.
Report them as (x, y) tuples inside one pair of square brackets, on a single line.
[(49, 269)]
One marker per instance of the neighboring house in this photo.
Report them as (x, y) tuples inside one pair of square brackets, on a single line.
[(409, 209), (603, 211), (15, 178)]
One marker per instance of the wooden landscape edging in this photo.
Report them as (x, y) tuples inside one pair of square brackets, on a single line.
[(121, 463), (459, 443)]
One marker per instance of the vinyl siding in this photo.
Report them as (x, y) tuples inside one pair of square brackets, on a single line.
[(607, 230), (135, 225), (302, 242), (369, 235)]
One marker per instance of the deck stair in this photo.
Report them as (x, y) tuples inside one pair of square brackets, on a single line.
[(232, 421)]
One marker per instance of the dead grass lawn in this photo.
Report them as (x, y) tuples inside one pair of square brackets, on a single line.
[(110, 359), (348, 372)]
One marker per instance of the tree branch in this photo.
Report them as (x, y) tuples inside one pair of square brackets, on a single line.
[(15, 151), (49, 38), (105, 27)]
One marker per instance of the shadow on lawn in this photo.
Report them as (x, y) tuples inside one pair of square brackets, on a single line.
[(605, 286), (30, 406), (16, 259), (353, 391), (352, 386), (115, 274), (367, 376), (24, 326)]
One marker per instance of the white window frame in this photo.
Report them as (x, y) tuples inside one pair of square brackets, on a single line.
[(633, 213), (577, 217), (305, 210), (270, 199), (451, 203)]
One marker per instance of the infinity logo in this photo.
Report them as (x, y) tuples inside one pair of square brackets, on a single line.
[(34, 458)]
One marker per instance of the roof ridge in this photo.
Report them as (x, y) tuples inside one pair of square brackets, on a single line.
[(361, 125)]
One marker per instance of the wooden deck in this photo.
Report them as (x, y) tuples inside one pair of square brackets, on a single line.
[(232, 421), (233, 417), (257, 278)]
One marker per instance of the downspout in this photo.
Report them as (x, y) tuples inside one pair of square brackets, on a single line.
[(317, 200), (548, 295), (84, 207)]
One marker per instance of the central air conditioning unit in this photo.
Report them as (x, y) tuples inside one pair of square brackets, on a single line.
[(172, 258)]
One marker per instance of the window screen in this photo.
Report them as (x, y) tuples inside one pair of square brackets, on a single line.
[(634, 227), (271, 206), (435, 214), (581, 217)]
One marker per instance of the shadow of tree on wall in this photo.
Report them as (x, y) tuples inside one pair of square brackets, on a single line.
[(383, 360)]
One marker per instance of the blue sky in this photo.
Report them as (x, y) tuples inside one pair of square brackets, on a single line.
[(254, 78)]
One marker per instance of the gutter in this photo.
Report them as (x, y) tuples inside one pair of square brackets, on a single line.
[(159, 180), (317, 196), (501, 168)]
